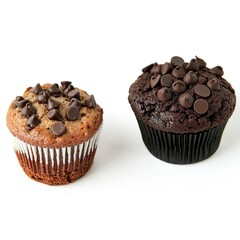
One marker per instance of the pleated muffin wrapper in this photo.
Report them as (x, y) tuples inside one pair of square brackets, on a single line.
[(55, 166), (181, 148)]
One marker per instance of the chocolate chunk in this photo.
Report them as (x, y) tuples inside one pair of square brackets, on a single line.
[(186, 100), (68, 89), (213, 84), (217, 70), (28, 110), (190, 78), (166, 68), (54, 90), (177, 61), (202, 90), (72, 113), (166, 80), (156, 69), (90, 101), (52, 104), (54, 115), (20, 104), (37, 89), (201, 106), (164, 94), (32, 122), (75, 102), (65, 84), (193, 65), (201, 62), (148, 68), (179, 86), (154, 80), (58, 129), (43, 97), (74, 94), (179, 72)]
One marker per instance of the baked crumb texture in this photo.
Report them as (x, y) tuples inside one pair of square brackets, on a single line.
[(56, 130), (85, 118), (180, 97), (182, 109)]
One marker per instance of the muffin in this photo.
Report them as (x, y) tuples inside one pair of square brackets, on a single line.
[(55, 131), (182, 109)]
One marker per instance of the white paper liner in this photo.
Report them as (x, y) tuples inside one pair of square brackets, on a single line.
[(56, 161), (47, 154)]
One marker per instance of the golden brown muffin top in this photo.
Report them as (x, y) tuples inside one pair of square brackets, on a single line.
[(54, 116)]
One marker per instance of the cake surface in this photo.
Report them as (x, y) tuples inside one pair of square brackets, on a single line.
[(54, 116), (182, 97)]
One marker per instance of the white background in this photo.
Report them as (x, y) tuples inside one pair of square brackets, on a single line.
[(101, 46)]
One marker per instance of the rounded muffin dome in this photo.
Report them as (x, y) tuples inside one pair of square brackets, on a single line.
[(55, 130), (182, 97), (56, 116)]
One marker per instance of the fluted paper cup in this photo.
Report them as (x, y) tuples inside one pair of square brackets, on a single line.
[(181, 148), (56, 166)]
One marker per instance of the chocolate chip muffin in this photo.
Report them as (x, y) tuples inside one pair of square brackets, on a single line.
[(182, 109), (55, 131)]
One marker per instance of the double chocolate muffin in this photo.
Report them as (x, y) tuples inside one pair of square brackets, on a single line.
[(55, 130), (182, 109)]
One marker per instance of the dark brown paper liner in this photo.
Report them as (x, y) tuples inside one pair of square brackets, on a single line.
[(181, 148)]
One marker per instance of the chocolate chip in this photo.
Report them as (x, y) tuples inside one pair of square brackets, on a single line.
[(177, 61), (32, 122), (193, 65), (217, 70), (154, 80), (190, 78), (201, 106), (186, 100), (90, 101), (75, 102), (28, 110), (43, 97), (20, 104), (58, 129), (166, 80), (156, 69), (179, 86), (148, 68), (68, 89), (201, 62), (37, 89), (213, 84), (19, 98), (72, 113), (178, 72), (52, 104), (54, 115), (74, 94), (54, 90), (202, 90), (164, 94), (166, 68), (65, 84)]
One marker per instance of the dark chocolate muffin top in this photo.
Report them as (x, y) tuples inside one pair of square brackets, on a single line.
[(182, 97)]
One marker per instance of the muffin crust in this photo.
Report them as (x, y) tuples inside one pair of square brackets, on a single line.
[(77, 131), (182, 97)]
